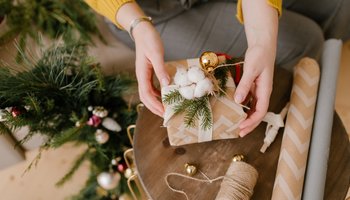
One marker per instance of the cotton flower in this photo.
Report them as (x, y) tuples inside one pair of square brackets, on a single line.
[(195, 74), (180, 77), (188, 91), (203, 87)]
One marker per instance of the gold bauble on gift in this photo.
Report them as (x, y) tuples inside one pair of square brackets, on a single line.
[(209, 61), (238, 158), (190, 169)]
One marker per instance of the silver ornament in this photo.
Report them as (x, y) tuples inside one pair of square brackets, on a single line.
[(90, 108), (3, 114), (108, 181), (101, 136), (100, 112), (115, 160), (111, 124)]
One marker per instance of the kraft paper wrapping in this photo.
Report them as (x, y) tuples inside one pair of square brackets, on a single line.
[(297, 133), (321, 136), (226, 115)]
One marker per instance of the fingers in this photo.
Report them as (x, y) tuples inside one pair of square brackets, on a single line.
[(157, 61), (148, 94), (244, 85), (262, 91)]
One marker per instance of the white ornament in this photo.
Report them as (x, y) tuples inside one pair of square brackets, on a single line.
[(203, 87), (3, 115), (188, 91), (101, 136), (195, 74), (111, 124), (180, 77), (100, 112), (108, 181), (90, 108)]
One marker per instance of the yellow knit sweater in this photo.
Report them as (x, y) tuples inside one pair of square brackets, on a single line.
[(109, 8)]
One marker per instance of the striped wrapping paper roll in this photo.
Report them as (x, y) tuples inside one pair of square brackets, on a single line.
[(297, 133)]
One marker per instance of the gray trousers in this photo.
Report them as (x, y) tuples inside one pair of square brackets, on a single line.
[(212, 26)]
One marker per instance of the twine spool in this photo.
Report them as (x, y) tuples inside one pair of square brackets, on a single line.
[(237, 184)]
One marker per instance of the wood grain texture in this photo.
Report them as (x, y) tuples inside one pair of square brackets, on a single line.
[(155, 158)]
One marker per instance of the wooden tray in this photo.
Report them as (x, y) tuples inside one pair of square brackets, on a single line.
[(154, 157)]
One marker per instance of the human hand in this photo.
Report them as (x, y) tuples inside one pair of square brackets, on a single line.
[(257, 79), (149, 57)]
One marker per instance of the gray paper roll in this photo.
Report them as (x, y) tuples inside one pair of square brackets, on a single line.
[(321, 135)]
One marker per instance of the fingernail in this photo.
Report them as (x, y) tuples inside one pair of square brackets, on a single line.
[(164, 82), (238, 98), (242, 134)]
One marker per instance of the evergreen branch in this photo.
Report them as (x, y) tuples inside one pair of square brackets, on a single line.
[(207, 120), (68, 135), (78, 162), (4, 129), (173, 97), (221, 74), (35, 161), (25, 139)]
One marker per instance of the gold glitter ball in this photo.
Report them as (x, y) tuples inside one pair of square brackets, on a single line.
[(238, 158), (190, 169), (209, 61)]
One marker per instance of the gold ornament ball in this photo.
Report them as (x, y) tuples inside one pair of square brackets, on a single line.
[(190, 169), (209, 60), (238, 158), (128, 173)]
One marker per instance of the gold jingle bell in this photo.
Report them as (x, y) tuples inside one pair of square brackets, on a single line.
[(238, 158), (190, 169), (209, 61)]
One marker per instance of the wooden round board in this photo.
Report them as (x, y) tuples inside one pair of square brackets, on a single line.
[(154, 157)]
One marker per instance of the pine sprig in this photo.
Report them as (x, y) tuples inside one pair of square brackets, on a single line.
[(69, 20), (173, 97), (78, 162), (194, 109), (221, 75)]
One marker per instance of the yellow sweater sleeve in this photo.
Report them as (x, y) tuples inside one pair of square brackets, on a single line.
[(274, 3), (108, 8)]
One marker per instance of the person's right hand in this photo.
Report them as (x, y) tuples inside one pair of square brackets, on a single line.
[(149, 57)]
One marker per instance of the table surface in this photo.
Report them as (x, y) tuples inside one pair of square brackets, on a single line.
[(154, 157)]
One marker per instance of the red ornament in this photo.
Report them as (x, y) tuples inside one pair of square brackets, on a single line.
[(94, 121), (15, 111), (122, 167)]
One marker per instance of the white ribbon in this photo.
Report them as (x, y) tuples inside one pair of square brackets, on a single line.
[(274, 123)]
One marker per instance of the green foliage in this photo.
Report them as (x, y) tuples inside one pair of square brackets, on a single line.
[(52, 95), (70, 20), (194, 109), (221, 75)]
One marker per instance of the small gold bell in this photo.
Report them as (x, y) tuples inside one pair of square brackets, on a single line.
[(209, 61), (238, 158), (190, 169)]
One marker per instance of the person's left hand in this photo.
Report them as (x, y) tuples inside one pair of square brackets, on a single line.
[(257, 79)]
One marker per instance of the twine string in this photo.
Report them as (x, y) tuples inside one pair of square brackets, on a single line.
[(237, 184)]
